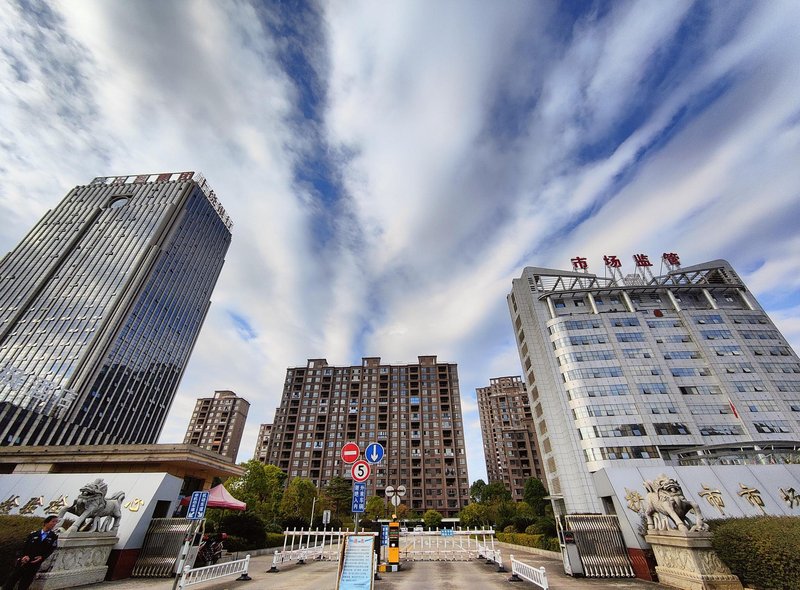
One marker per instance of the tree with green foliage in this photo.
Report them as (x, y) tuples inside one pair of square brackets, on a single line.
[(401, 510), (432, 519), (375, 508), (476, 491), (502, 513), (534, 495), (339, 494), (494, 492), (298, 499), (474, 515), (261, 487)]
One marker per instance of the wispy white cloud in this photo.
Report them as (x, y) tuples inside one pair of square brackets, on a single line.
[(461, 141)]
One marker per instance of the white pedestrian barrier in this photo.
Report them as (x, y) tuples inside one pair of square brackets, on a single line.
[(192, 576), (454, 544), (527, 572), (316, 544)]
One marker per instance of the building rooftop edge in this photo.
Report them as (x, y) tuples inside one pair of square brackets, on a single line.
[(156, 453)]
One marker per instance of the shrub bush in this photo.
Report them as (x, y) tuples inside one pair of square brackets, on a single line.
[(248, 527), (526, 540), (294, 522), (762, 550), (274, 540), (13, 530), (235, 544), (533, 529), (521, 523)]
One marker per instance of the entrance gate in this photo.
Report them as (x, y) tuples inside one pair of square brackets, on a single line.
[(600, 545), (449, 545), (161, 547)]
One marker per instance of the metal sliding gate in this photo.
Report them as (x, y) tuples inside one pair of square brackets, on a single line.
[(161, 547), (600, 545)]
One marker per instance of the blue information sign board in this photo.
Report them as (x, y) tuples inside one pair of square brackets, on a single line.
[(359, 497), (384, 535), (357, 569), (197, 506)]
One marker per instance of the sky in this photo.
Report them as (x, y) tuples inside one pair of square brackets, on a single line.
[(390, 167)]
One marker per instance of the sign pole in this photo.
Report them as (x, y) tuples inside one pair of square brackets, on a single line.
[(187, 544)]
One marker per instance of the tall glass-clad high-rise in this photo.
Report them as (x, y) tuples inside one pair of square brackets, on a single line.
[(100, 306)]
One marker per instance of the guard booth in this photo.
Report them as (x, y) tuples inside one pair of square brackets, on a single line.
[(393, 549), (569, 553)]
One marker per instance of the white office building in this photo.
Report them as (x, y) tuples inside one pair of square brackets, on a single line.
[(643, 374)]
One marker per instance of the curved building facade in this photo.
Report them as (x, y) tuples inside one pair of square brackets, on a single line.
[(100, 307)]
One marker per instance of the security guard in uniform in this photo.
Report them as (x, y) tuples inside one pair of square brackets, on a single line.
[(38, 547)]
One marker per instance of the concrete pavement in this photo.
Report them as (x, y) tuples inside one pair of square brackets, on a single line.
[(436, 575)]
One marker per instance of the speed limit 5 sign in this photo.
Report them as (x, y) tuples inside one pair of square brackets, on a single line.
[(360, 471)]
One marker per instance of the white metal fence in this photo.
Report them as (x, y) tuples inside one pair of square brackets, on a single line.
[(190, 576), (427, 545), (308, 544), (521, 570), (449, 545)]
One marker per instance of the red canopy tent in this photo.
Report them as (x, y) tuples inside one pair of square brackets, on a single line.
[(219, 497)]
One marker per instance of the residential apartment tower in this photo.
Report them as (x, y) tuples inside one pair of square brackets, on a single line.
[(509, 440), (413, 411), (217, 423)]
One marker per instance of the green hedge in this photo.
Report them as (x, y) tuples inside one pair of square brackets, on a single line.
[(236, 544), (526, 540), (762, 551), (13, 530), (274, 540)]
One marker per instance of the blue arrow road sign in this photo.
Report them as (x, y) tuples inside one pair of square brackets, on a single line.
[(359, 497), (374, 453), (197, 506)]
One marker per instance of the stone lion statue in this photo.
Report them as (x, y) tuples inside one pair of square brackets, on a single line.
[(91, 506), (665, 501)]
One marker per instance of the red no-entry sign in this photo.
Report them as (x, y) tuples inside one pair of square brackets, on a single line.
[(350, 452)]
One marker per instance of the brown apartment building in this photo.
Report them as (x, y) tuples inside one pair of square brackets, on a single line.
[(217, 423), (262, 443), (509, 440), (413, 411)]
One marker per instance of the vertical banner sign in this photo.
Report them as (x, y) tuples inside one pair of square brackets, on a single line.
[(384, 535), (197, 506), (359, 497), (356, 569)]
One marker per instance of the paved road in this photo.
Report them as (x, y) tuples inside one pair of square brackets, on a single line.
[(437, 575)]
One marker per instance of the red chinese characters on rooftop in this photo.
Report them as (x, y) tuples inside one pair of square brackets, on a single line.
[(579, 263), (671, 259)]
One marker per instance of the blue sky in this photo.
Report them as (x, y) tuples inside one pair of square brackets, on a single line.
[(391, 166)]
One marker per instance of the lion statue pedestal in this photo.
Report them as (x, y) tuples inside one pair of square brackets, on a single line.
[(84, 548), (80, 559), (682, 548), (688, 561)]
